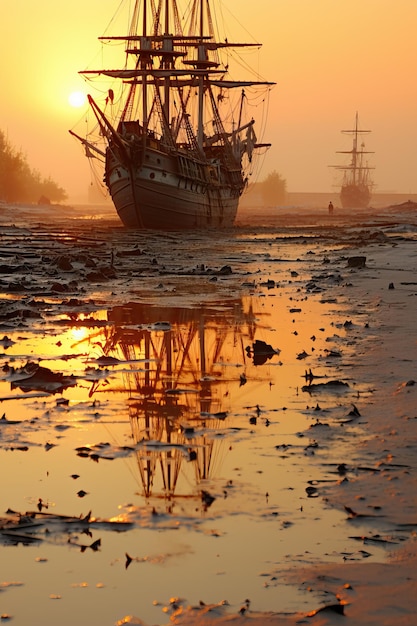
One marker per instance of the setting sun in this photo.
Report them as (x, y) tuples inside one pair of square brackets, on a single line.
[(77, 99)]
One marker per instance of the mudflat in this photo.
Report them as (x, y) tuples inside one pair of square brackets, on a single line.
[(208, 427)]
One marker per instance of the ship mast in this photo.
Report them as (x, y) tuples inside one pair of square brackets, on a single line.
[(355, 149), (357, 171), (167, 80), (144, 79), (201, 58), (356, 165)]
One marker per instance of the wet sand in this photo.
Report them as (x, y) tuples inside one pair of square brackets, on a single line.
[(308, 504)]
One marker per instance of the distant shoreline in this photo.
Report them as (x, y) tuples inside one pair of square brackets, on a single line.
[(249, 200), (322, 199)]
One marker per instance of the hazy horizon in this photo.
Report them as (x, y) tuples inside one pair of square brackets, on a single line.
[(328, 60)]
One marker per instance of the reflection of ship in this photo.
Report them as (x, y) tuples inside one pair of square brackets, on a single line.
[(178, 150), (356, 186), (183, 363)]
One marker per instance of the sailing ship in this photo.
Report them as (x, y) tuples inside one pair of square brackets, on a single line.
[(179, 152), (356, 185)]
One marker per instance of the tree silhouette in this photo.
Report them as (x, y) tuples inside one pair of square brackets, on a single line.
[(273, 189), (18, 183)]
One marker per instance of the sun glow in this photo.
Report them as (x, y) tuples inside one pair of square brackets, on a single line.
[(77, 99)]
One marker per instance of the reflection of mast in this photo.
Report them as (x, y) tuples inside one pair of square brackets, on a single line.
[(175, 380), (166, 450), (148, 426), (184, 350)]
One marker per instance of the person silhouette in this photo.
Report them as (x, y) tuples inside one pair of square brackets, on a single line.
[(331, 208)]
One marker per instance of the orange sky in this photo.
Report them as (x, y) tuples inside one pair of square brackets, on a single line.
[(329, 59)]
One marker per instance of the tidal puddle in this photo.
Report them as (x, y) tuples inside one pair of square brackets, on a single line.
[(152, 451)]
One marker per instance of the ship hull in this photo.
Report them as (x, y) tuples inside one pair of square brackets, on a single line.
[(355, 196), (155, 192)]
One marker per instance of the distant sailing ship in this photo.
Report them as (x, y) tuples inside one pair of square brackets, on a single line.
[(356, 185), (178, 153)]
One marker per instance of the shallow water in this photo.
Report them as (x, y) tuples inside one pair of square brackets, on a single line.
[(199, 457)]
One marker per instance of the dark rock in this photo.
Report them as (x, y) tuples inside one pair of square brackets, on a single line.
[(357, 261)]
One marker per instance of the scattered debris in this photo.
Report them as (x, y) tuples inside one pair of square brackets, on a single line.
[(261, 352), (331, 385)]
